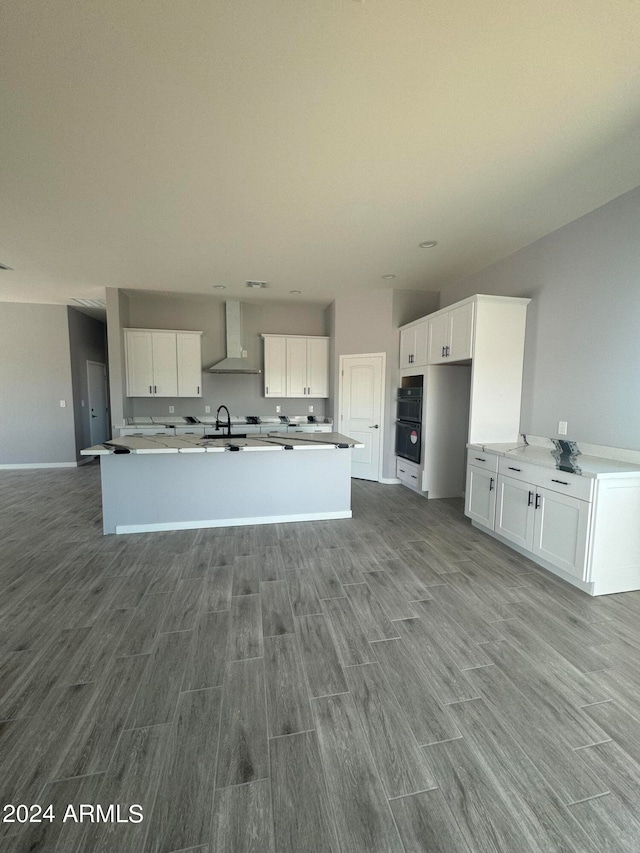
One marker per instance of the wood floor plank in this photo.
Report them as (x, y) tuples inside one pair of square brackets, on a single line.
[(184, 605), (325, 675), (93, 740), (288, 709), (139, 636), (414, 586), (618, 771), (246, 576), (270, 563), (350, 640), (459, 612), (609, 824), (161, 681), (208, 651), (242, 819), (325, 579), (428, 719), (348, 564), (426, 824), (395, 750), (390, 595), (450, 637), (216, 594), (535, 732), (301, 812), (302, 593), (181, 815), (370, 613), (357, 799), (245, 628), (619, 724), (543, 819), (133, 777), (243, 754), (91, 660), (277, 616), (449, 682)]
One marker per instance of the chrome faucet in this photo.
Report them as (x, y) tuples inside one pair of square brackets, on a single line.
[(228, 420)]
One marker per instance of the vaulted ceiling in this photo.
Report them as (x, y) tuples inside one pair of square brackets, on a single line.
[(181, 144)]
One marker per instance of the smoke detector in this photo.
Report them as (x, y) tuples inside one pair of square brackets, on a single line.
[(256, 285)]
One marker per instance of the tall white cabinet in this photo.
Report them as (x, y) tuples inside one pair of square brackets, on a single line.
[(163, 363), (473, 359)]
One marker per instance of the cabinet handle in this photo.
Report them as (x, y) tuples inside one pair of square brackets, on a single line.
[(150, 389), (562, 482), (198, 391), (448, 350), (443, 352), (515, 469), (480, 459), (155, 389), (537, 501), (266, 390), (530, 501), (491, 481), (413, 477)]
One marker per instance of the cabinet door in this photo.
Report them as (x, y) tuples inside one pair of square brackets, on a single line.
[(165, 364), (407, 346), (188, 349), (421, 343), (560, 532), (317, 367), (460, 333), (438, 338), (515, 512), (275, 367), (480, 496), (296, 367), (139, 363)]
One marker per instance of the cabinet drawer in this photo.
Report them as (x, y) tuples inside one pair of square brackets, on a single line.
[(518, 470), (564, 483), (488, 461), (408, 472)]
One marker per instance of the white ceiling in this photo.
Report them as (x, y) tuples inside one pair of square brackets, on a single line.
[(177, 144)]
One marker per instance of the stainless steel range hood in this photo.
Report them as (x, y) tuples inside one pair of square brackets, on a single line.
[(234, 362)]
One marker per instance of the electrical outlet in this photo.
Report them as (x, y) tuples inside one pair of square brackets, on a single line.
[(207, 410), (310, 408), (244, 353), (562, 427), (63, 404), (278, 409), (172, 409)]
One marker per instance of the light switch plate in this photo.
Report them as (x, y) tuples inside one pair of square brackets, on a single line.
[(207, 410), (172, 409), (562, 427), (310, 408)]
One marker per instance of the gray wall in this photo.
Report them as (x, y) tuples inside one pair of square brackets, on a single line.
[(86, 343), (369, 324), (243, 394), (582, 356), (35, 374)]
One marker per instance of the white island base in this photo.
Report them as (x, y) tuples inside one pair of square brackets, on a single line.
[(143, 492)]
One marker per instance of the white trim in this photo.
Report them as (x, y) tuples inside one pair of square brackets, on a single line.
[(383, 402), (229, 522), (39, 465), (390, 481)]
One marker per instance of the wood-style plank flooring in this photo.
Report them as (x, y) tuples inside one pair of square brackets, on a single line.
[(393, 682)]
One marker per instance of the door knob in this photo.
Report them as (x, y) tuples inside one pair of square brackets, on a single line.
[(375, 426)]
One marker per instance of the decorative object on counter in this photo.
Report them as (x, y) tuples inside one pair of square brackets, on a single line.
[(566, 454)]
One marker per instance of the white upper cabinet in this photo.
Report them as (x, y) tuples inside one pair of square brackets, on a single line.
[(163, 363), (413, 345), (275, 366), (451, 335), (189, 356), (296, 366)]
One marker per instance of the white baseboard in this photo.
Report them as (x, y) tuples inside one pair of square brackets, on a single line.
[(390, 481), (229, 522), (25, 465)]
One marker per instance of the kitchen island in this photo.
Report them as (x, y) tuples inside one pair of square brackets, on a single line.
[(185, 482)]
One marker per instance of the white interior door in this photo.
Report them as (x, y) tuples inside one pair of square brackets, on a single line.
[(97, 394), (361, 410)]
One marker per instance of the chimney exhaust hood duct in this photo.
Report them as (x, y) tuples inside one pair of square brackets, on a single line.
[(234, 362)]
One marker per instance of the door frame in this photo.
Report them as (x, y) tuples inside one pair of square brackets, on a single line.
[(103, 365), (383, 388)]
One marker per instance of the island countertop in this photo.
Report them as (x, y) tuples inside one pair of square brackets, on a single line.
[(165, 444)]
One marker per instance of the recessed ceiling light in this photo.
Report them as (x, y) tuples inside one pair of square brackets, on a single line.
[(219, 287), (295, 291), (388, 276), (255, 285), (428, 244)]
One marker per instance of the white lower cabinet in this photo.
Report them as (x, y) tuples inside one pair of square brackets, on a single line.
[(585, 529), (408, 472), (551, 525)]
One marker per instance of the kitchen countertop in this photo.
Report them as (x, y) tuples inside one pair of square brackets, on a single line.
[(595, 467), (194, 444)]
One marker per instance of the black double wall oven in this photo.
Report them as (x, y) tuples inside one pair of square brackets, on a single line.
[(409, 424)]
